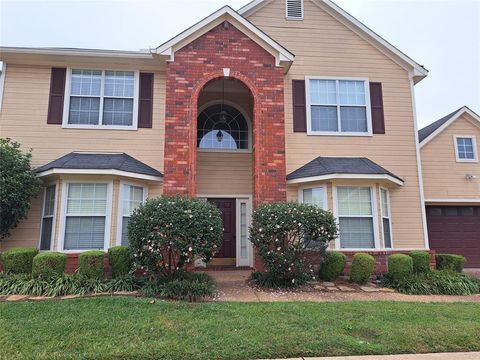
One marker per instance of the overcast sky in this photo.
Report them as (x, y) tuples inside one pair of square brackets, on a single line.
[(444, 36)]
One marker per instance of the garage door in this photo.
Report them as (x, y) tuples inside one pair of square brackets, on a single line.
[(455, 230)]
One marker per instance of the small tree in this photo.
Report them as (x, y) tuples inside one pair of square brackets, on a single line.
[(166, 233), (18, 185), (282, 231)]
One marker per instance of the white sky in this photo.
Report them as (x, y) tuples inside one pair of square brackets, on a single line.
[(442, 35)]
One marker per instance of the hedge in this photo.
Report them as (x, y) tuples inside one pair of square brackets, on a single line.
[(49, 264), (332, 266), (399, 266), (421, 262), (362, 268), (91, 264), (18, 260), (450, 262), (120, 260)]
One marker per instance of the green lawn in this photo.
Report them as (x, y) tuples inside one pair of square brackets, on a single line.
[(130, 328)]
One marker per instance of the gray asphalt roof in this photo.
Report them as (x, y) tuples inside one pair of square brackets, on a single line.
[(119, 161), (429, 129), (339, 165)]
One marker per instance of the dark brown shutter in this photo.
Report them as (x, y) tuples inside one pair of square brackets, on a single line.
[(57, 93), (299, 106), (376, 103), (145, 100)]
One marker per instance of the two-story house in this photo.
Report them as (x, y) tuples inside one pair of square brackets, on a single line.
[(282, 100)]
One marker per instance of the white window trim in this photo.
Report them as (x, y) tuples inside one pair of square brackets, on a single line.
[(108, 215), (120, 207), (292, 17), (54, 221), (376, 234), (474, 143), (324, 199), (66, 102), (384, 217), (366, 81), (3, 73)]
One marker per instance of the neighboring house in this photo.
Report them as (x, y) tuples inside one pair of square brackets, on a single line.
[(451, 179), (282, 100)]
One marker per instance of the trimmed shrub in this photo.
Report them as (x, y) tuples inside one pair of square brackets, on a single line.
[(362, 268), (166, 233), (399, 266), (281, 232), (18, 260), (120, 260), (49, 264), (421, 261), (450, 262), (332, 265), (90, 264)]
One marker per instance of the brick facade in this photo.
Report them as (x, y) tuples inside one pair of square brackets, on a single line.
[(194, 66)]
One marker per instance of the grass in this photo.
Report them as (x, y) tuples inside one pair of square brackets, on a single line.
[(132, 328)]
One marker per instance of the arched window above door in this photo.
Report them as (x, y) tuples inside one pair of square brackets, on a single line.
[(222, 127)]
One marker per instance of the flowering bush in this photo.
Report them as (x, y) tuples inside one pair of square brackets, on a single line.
[(282, 231), (166, 233)]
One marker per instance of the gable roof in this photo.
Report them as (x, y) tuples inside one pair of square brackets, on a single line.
[(419, 72), (431, 131), (226, 13), (323, 168), (99, 164)]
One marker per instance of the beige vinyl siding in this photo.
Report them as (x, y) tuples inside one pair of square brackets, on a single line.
[(224, 173), (325, 47), (443, 176)]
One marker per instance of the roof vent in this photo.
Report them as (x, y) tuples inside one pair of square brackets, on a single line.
[(294, 9)]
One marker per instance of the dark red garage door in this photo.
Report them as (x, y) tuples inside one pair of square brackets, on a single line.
[(455, 230)]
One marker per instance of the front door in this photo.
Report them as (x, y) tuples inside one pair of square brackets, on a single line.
[(227, 207)]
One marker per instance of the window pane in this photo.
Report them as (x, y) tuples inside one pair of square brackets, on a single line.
[(46, 236), (356, 233), (451, 211), (84, 110), (87, 199), (84, 232), (118, 112), (387, 237), (385, 207), (313, 196), (354, 201), (243, 230), (351, 92), (125, 241), (86, 82), (465, 148), (324, 118), (49, 204), (119, 83), (467, 211), (323, 92), (435, 211), (353, 119), (132, 197)]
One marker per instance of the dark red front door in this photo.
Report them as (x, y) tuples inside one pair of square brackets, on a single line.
[(455, 230), (227, 207)]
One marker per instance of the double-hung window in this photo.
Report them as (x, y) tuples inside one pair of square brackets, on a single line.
[(48, 213), (87, 210), (314, 196), (338, 106), (131, 198), (386, 218), (465, 149), (102, 98), (355, 216)]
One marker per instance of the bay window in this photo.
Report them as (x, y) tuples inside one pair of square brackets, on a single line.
[(101, 98), (314, 196), (86, 216), (338, 106), (356, 217), (131, 198)]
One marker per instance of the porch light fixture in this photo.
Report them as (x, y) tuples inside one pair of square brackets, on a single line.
[(219, 136)]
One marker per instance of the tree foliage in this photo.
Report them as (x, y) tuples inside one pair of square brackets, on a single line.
[(18, 185)]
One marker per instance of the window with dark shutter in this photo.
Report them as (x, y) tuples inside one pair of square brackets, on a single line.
[(299, 106), (57, 93), (145, 101), (376, 103)]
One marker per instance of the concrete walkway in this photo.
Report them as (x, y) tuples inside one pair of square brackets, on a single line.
[(232, 286), (438, 356)]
